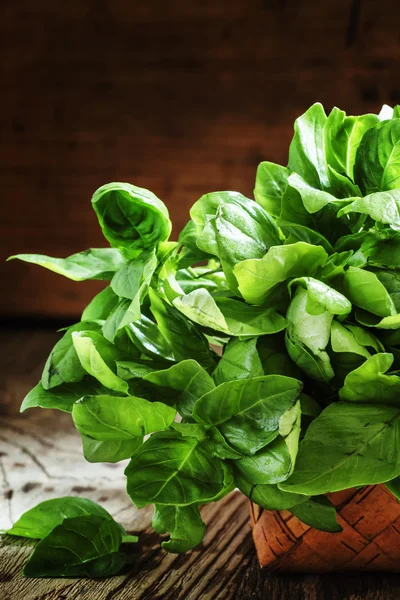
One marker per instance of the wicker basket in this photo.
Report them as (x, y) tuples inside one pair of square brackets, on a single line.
[(370, 540)]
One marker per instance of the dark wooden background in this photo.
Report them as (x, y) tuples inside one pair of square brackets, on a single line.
[(182, 97)]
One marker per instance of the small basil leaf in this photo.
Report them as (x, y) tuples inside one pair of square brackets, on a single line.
[(184, 524)]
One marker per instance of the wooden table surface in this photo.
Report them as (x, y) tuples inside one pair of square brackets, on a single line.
[(40, 458)]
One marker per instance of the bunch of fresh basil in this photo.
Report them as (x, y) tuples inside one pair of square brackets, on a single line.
[(261, 350)]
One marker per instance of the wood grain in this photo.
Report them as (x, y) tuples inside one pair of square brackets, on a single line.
[(183, 98), (40, 458)]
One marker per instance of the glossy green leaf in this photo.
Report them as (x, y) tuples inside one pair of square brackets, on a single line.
[(318, 512), (62, 397), (40, 520), (344, 135), (101, 305), (383, 207), (240, 360), (348, 445), (84, 546), (175, 470), (268, 496), (183, 337), (63, 364), (271, 182), (96, 355), (95, 263), (369, 383), (132, 219), (377, 166), (248, 412), (188, 380), (113, 418), (183, 523), (364, 289), (256, 277), (110, 451)]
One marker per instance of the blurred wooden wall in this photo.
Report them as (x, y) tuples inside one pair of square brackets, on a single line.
[(182, 97)]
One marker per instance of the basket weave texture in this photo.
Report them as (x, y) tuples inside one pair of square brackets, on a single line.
[(370, 540)]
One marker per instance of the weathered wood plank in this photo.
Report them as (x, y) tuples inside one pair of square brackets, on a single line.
[(40, 458), (182, 98)]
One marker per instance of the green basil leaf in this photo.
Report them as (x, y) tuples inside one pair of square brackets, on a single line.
[(97, 357), (62, 397), (364, 289), (316, 366), (148, 338), (318, 512), (183, 337), (274, 357), (268, 496), (101, 306), (248, 412), (240, 360), (184, 523), (63, 364), (111, 451), (113, 418), (383, 207), (132, 219), (314, 199), (188, 380), (346, 446), (307, 149), (39, 521), (229, 316), (344, 134), (95, 263), (175, 470), (84, 546), (394, 487), (377, 166), (256, 277), (319, 293), (128, 370), (271, 182), (369, 383)]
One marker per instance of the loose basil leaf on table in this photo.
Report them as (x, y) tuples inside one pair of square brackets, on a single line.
[(84, 546), (40, 520)]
